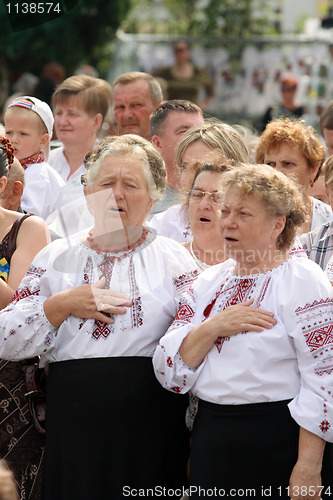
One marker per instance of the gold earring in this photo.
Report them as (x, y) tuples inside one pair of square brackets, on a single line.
[(312, 183)]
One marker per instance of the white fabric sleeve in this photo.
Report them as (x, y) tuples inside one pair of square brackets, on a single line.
[(329, 270), (25, 331), (310, 327), (170, 369)]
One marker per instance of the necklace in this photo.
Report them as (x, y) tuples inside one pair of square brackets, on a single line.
[(201, 264), (124, 251)]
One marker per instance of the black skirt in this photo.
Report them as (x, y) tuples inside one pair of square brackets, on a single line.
[(244, 450), (111, 428)]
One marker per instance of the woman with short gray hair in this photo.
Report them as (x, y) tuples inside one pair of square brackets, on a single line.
[(94, 309), (265, 390)]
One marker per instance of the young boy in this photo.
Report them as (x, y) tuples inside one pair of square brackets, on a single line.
[(29, 127)]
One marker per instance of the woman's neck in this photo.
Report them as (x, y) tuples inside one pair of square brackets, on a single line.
[(210, 251), (260, 262), (75, 155), (114, 241), (306, 226)]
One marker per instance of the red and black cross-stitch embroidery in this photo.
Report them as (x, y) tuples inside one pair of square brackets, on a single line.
[(185, 280), (233, 292), (88, 272), (136, 308), (317, 327), (184, 313), (33, 288), (101, 329), (179, 389)]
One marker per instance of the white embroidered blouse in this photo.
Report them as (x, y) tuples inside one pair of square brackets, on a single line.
[(293, 360), (153, 276), (173, 223)]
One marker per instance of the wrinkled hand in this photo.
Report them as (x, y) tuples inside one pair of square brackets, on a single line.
[(241, 318), (305, 483), (91, 301)]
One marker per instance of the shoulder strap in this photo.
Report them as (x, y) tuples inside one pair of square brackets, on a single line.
[(12, 235)]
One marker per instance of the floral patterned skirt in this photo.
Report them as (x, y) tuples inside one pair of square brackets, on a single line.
[(20, 444)]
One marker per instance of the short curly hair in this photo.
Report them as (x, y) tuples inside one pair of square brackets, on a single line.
[(296, 134), (152, 162), (278, 194)]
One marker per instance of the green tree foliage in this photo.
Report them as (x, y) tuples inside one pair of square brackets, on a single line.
[(78, 34), (230, 18)]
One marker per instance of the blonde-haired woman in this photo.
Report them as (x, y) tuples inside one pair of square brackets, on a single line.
[(199, 144)]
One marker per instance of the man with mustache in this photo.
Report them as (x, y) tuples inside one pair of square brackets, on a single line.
[(135, 95)]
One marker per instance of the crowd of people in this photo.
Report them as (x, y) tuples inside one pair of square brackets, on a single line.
[(166, 295)]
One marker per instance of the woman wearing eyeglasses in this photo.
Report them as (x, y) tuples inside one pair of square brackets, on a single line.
[(205, 142), (203, 205)]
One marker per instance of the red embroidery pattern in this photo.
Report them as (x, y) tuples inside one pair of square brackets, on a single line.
[(324, 426), (185, 280), (314, 305), (101, 329), (220, 341), (32, 288), (136, 309), (319, 337), (330, 394), (239, 294), (241, 291), (169, 362), (106, 268), (184, 313), (37, 158), (88, 271), (177, 388), (318, 333)]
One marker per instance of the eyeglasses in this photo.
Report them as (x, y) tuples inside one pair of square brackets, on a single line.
[(195, 195)]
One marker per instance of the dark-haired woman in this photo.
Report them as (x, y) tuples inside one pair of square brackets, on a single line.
[(21, 238)]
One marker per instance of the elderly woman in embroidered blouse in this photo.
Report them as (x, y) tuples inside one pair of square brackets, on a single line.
[(265, 396), (294, 148), (94, 310)]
